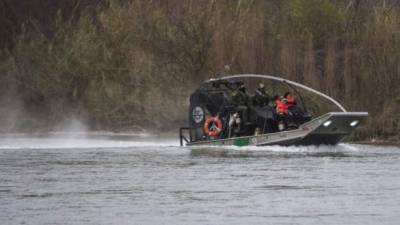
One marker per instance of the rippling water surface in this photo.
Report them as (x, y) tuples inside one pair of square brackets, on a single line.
[(109, 180)]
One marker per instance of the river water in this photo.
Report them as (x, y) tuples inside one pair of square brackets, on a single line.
[(113, 180)]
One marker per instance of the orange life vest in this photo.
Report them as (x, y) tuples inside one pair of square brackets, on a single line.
[(290, 101), (281, 108)]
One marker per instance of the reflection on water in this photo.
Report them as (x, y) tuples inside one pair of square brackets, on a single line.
[(105, 180)]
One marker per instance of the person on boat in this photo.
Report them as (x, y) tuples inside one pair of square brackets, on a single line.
[(239, 95), (295, 113), (282, 112), (240, 100), (290, 99), (260, 97), (281, 105)]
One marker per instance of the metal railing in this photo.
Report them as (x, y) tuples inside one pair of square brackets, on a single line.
[(182, 136)]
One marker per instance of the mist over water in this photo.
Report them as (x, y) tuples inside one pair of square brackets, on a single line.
[(61, 140), (98, 178)]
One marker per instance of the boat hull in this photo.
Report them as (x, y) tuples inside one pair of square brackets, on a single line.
[(328, 129)]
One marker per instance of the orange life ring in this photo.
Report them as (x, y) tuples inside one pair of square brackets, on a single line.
[(212, 126)]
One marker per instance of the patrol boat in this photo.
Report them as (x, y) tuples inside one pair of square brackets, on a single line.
[(217, 118)]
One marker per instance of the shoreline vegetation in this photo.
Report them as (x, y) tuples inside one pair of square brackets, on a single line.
[(131, 65)]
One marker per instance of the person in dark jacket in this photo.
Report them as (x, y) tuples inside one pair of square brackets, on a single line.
[(239, 95), (260, 98)]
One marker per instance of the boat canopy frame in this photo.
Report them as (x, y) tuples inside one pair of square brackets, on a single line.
[(283, 80)]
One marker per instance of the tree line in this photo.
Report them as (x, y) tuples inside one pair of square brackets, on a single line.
[(132, 64)]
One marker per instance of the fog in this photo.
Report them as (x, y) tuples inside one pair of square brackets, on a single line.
[(73, 133)]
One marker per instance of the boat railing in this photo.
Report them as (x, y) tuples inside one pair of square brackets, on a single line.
[(182, 136)]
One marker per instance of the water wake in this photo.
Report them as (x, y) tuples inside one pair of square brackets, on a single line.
[(290, 149), (83, 141), (341, 150)]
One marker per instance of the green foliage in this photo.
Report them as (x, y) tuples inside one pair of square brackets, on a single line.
[(134, 63), (320, 19)]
